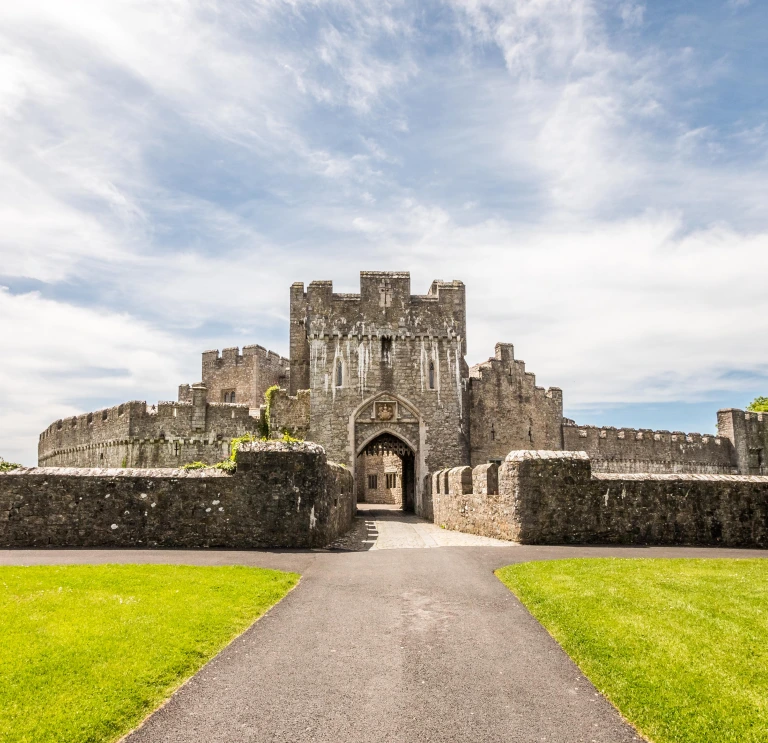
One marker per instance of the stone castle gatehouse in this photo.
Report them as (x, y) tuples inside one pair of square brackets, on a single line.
[(381, 381)]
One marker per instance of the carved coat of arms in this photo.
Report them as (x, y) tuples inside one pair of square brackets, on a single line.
[(385, 412)]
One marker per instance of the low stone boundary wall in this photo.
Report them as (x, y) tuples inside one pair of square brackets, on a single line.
[(552, 497), (281, 495)]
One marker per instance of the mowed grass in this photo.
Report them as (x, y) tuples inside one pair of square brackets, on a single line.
[(679, 646), (87, 651)]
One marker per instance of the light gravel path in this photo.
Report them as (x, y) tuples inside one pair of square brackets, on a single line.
[(386, 527), (386, 645)]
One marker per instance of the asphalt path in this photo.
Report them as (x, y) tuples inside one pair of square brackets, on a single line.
[(385, 645)]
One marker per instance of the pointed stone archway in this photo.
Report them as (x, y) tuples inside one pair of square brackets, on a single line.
[(386, 472), (390, 425)]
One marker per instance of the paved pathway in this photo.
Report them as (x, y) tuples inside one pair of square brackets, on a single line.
[(385, 645), (383, 527)]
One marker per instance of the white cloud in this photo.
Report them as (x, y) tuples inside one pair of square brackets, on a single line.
[(56, 356), (170, 167)]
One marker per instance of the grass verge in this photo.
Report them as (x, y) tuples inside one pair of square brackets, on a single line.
[(679, 646), (88, 651)]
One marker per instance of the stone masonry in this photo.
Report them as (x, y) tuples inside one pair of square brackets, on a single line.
[(553, 497), (281, 495), (383, 372)]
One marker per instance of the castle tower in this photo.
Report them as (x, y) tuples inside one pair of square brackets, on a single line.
[(386, 370)]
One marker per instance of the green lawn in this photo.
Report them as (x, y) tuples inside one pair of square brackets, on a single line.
[(87, 651), (679, 646)]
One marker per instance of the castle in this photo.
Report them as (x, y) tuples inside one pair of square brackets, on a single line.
[(380, 380)]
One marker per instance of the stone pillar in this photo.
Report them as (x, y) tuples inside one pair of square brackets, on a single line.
[(299, 343), (732, 425), (199, 406)]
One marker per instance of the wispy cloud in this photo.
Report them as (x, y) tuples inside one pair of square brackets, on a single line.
[(595, 172)]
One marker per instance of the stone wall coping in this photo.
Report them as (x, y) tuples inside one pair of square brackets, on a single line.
[(522, 455), (167, 472), (485, 467), (678, 476), (298, 446)]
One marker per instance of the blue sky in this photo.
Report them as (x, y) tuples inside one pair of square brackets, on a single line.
[(596, 173)]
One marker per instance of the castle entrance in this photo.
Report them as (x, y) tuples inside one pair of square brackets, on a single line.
[(386, 472)]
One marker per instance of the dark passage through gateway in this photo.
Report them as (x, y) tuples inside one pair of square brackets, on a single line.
[(385, 472)]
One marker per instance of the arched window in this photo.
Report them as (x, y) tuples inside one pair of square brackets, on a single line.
[(431, 375), (339, 373)]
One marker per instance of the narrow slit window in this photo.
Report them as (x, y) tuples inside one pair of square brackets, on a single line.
[(339, 373), (386, 349), (431, 375), (493, 433)]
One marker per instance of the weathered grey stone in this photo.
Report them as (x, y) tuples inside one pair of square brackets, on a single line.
[(554, 498), (282, 495), (387, 368)]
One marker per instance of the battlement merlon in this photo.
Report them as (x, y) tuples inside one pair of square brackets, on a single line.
[(233, 357), (504, 359), (376, 286), (384, 307)]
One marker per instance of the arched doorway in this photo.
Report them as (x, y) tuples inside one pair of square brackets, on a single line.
[(386, 472)]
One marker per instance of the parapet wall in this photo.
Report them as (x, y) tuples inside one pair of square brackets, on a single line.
[(247, 376), (280, 496), (290, 414), (626, 450), (508, 411), (552, 497), (135, 434)]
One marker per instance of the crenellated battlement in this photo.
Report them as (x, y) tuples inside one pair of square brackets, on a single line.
[(645, 450), (233, 357), (235, 377), (387, 350), (508, 409), (641, 434), (177, 429), (504, 362), (383, 311)]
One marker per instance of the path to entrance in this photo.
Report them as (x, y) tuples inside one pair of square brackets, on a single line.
[(385, 527), (385, 645)]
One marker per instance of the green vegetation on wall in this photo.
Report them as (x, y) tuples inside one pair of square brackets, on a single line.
[(230, 465), (268, 397), (8, 466), (758, 405)]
